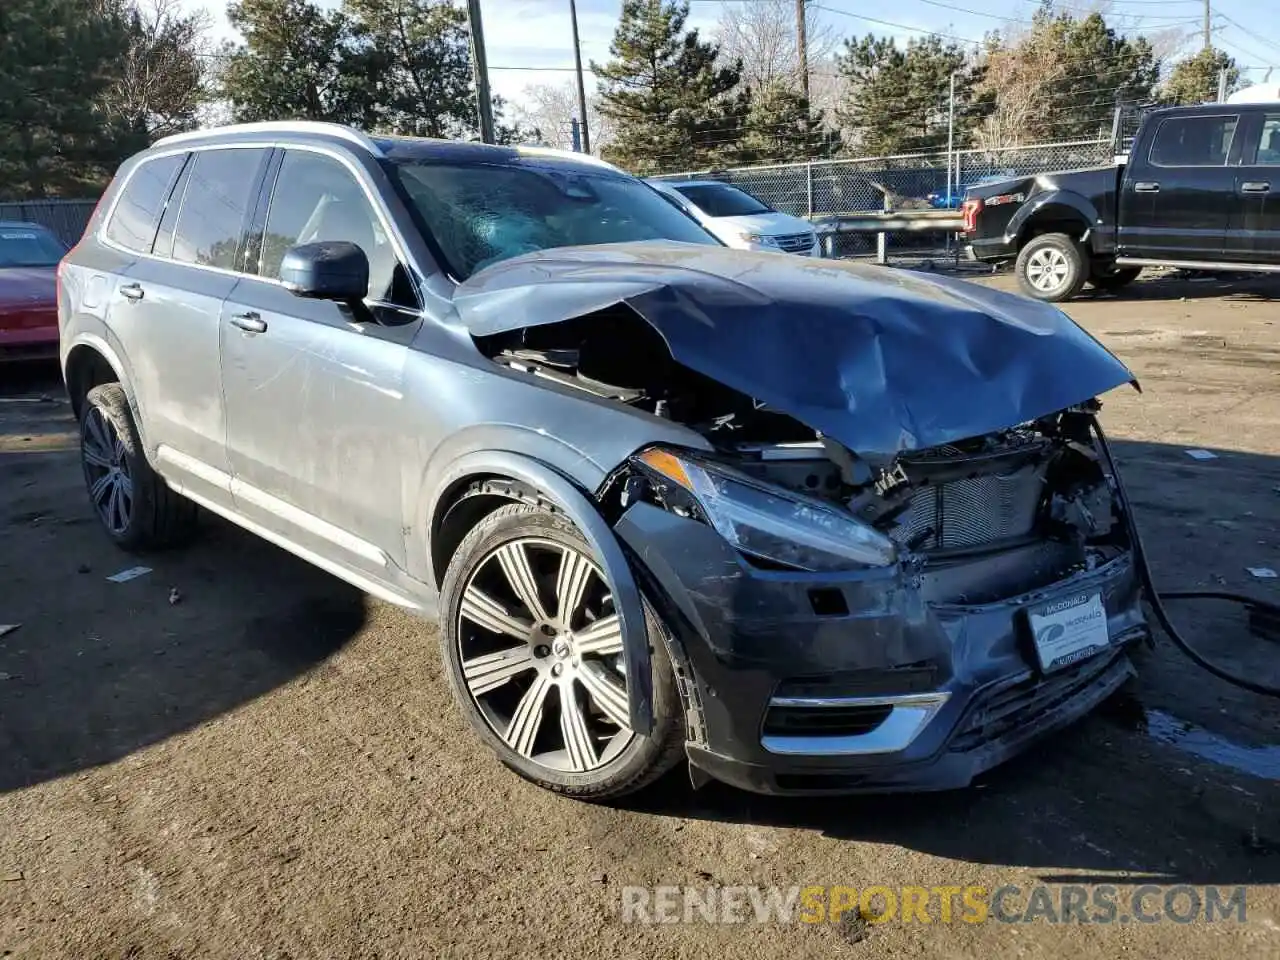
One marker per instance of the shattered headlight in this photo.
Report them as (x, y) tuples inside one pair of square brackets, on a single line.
[(771, 522)]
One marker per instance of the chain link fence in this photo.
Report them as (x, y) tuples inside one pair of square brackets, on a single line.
[(66, 218), (826, 188)]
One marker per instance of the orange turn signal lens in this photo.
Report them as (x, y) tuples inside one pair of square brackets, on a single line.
[(666, 464)]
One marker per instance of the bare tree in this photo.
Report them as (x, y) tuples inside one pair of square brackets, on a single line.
[(762, 34), (160, 80), (548, 109)]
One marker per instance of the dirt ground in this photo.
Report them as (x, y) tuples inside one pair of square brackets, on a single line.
[(272, 766)]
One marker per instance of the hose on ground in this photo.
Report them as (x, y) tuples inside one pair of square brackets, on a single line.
[(1156, 598)]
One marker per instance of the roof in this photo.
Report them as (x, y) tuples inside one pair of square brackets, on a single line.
[(388, 147), (1207, 109)]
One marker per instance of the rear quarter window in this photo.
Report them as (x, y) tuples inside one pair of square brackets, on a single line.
[(133, 221)]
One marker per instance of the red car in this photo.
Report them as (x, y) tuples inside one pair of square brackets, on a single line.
[(29, 256)]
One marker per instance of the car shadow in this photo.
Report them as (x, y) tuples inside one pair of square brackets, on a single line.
[(1237, 287), (96, 670), (1176, 778)]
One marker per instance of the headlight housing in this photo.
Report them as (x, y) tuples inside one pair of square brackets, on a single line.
[(771, 522), (762, 239)]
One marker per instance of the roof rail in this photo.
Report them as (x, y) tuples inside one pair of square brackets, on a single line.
[(316, 127), (540, 151)]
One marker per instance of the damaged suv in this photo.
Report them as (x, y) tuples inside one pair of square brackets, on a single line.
[(813, 527)]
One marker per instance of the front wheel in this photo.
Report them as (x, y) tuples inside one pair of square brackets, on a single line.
[(534, 655), (1052, 267)]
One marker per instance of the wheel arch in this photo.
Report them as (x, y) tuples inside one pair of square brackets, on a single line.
[(1058, 211), (489, 479), (90, 362)]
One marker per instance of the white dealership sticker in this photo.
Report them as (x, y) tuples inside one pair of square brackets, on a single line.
[(1069, 630)]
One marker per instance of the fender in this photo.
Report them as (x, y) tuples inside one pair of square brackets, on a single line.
[(1058, 205), (576, 505), (100, 345)]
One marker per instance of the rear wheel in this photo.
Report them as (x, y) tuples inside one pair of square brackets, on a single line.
[(535, 659), (134, 504), (1052, 267)]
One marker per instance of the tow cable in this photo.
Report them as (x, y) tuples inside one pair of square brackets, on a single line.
[(1156, 598)]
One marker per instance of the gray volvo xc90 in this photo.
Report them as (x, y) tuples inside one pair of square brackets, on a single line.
[(815, 527)]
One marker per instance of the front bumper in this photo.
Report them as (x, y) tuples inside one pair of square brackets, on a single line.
[(956, 683)]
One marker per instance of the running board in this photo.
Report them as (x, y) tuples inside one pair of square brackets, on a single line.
[(1200, 265)]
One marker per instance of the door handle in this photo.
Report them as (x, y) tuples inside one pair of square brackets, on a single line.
[(132, 291), (1146, 186), (1256, 186), (250, 322)]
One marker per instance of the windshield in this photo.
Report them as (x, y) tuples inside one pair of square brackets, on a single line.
[(482, 213), (24, 246), (722, 200)]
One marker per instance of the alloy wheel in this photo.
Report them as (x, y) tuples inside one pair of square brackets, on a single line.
[(106, 468), (1047, 269), (541, 652)]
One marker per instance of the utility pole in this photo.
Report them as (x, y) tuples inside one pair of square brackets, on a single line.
[(1208, 24), (577, 66), (802, 47), (480, 70), (951, 136)]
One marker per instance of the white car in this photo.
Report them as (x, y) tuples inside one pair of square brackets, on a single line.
[(739, 219)]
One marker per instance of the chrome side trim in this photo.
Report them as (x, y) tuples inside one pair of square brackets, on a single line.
[(357, 580), (238, 489), (909, 716), (313, 127), (1219, 266)]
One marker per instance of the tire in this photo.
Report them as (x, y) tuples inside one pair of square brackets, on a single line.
[(1052, 267), (520, 659), (1113, 278), (135, 506)]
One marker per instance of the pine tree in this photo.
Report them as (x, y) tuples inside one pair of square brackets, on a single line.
[(671, 105), (1195, 79), (57, 59), (781, 125), (898, 97), (298, 62)]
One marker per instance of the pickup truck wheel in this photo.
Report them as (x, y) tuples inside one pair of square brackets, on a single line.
[(534, 655), (1113, 278), (1052, 267)]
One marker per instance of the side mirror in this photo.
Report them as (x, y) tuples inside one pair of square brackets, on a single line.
[(326, 270)]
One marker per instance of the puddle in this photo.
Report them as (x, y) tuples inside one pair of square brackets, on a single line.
[(1261, 762)]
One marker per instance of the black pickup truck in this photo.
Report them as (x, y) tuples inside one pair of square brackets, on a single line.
[(1198, 189)]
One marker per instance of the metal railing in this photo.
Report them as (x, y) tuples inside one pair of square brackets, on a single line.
[(66, 218), (830, 188)]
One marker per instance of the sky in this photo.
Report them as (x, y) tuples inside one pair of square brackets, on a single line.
[(528, 41)]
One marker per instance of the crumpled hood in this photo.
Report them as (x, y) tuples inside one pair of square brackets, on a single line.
[(880, 360)]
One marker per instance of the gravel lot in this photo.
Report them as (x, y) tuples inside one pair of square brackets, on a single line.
[(272, 767)]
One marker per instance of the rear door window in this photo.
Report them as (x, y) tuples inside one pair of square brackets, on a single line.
[(1268, 147), (133, 222), (1193, 141), (219, 191)]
